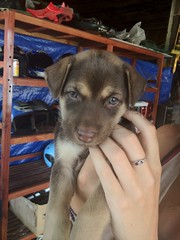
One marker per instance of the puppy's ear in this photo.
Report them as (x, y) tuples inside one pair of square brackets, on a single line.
[(56, 74), (135, 83)]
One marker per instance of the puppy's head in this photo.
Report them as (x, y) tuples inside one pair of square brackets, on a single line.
[(95, 89)]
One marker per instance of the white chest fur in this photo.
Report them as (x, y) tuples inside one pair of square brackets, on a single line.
[(67, 151)]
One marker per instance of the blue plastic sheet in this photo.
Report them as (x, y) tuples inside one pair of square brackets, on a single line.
[(56, 50), (26, 148), (28, 44), (149, 72)]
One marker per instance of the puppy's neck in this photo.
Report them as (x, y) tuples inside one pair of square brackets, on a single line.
[(68, 150)]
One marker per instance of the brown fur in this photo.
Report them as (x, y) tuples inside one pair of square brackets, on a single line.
[(95, 89)]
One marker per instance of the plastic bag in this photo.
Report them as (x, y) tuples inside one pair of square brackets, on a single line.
[(136, 34), (122, 35)]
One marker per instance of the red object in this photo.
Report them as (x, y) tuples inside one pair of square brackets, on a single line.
[(53, 13)]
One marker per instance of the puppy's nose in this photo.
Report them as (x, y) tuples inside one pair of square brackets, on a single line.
[(86, 135)]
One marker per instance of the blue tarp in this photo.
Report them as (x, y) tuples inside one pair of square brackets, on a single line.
[(149, 72), (56, 50)]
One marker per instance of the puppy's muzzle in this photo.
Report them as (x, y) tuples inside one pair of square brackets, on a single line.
[(86, 135)]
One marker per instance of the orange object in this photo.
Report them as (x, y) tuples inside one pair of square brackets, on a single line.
[(53, 13)]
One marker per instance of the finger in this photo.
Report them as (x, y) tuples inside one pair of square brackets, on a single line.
[(87, 179), (129, 142), (135, 153), (121, 166), (105, 174), (148, 137)]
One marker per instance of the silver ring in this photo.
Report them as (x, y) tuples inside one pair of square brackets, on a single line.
[(139, 162)]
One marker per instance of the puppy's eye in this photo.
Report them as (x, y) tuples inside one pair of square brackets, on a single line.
[(73, 94), (113, 101)]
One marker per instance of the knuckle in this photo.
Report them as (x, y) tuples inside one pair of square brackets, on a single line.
[(125, 204)]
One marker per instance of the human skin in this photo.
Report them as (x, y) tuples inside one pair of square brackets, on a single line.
[(132, 195)]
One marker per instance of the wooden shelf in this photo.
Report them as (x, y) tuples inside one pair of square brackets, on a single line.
[(154, 90), (32, 82), (42, 83), (23, 178), (16, 229), (30, 177), (23, 181), (31, 138), (41, 28)]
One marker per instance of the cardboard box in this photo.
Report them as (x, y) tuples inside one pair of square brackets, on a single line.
[(30, 212)]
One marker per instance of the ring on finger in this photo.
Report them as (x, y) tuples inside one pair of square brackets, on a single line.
[(138, 162)]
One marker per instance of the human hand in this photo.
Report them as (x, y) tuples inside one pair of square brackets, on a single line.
[(132, 195)]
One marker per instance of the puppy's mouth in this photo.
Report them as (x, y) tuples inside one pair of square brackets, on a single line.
[(87, 137)]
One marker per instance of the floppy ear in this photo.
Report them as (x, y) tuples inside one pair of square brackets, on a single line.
[(135, 83), (56, 74)]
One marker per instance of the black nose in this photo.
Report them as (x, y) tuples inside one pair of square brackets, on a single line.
[(86, 135)]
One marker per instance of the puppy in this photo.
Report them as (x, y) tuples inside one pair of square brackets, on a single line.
[(95, 88)]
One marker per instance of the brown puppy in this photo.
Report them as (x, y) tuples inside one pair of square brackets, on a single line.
[(95, 88)]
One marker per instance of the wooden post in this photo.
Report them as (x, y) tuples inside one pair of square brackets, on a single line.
[(6, 119), (160, 63)]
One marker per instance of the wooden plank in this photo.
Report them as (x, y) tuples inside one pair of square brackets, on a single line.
[(30, 82), (16, 229), (24, 178), (6, 109), (31, 138), (25, 156), (152, 89), (86, 35), (158, 85), (28, 190)]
